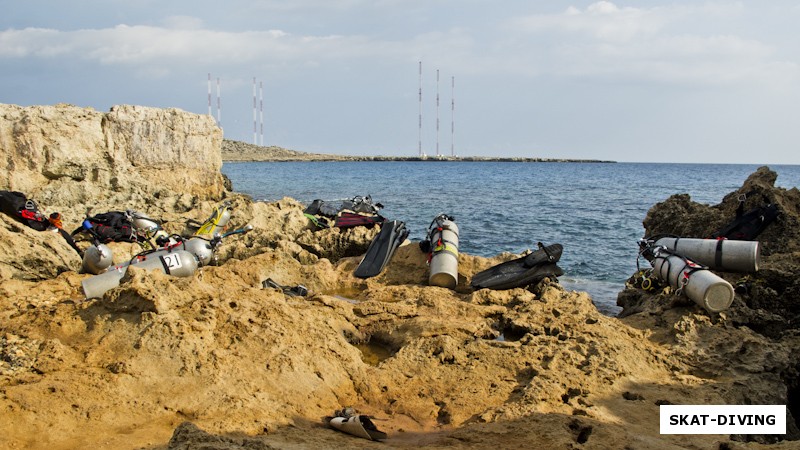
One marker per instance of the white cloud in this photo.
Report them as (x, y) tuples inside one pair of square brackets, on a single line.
[(657, 44), (149, 45), (601, 20)]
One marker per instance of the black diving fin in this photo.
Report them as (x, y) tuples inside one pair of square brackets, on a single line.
[(521, 272), (382, 248)]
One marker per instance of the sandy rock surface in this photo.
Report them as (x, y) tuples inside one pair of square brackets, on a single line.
[(217, 361)]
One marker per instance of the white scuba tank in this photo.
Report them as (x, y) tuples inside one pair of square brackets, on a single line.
[(695, 281), (443, 237), (718, 254), (179, 263)]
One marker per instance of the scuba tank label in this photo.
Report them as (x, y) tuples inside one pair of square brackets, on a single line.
[(171, 262)]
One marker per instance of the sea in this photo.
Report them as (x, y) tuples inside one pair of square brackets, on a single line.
[(595, 210)]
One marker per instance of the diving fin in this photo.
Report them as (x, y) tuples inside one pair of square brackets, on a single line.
[(381, 249), (358, 425), (521, 272), (502, 277)]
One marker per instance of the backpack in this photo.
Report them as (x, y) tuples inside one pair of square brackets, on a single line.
[(747, 226), (113, 226), (25, 210), (18, 206)]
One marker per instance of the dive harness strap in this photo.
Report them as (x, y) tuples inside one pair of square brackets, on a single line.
[(442, 245), (683, 275)]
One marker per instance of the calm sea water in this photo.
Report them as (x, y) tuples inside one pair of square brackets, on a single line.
[(594, 210)]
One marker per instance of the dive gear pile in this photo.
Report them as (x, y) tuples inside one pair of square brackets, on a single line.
[(180, 259), (358, 211), (685, 263)]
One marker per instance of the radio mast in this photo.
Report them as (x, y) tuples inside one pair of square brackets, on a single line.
[(437, 114), (255, 128), (420, 110)]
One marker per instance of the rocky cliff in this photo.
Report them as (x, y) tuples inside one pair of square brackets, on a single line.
[(217, 361), (67, 156)]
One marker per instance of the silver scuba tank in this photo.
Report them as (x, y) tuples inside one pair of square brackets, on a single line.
[(96, 259), (718, 254), (443, 237), (695, 281), (142, 222), (179, 263), (200, 248)]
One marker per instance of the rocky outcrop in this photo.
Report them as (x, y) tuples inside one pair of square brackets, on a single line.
[(766, 301)]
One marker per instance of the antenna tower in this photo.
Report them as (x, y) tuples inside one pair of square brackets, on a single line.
[(255, 128), (420, 110), (437, 114)]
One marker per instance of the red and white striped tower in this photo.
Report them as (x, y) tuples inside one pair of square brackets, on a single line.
[(261, 108), (437, 114), (209, 94), (255, 129), (420, 110)]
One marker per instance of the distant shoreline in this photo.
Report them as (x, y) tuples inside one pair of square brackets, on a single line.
[(236, 151)]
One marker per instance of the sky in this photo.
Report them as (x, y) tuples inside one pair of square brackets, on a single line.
[(639, 81)]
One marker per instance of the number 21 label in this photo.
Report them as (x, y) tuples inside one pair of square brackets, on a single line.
[(172, 262)]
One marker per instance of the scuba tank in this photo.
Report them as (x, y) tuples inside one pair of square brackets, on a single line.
[(217, 221), (443, 252), (145, 229), (179, 263), (693, 280), (142, 223), (718, 254), (202, 249), (96, 259)]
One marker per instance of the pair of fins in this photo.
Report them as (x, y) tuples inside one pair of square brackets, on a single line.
[(382, 248), (521, 272)]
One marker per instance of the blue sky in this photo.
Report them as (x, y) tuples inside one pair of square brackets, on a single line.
[(677, 81)]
